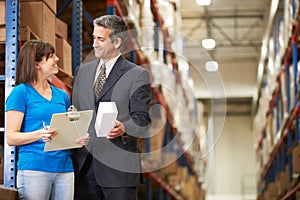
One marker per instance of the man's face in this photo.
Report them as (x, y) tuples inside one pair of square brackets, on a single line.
[(102, 44)]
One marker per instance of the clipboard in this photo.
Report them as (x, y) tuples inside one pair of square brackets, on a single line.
[(70, 126)]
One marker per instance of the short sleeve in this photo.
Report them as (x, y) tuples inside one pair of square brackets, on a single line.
[(16, 99), (67, 100)]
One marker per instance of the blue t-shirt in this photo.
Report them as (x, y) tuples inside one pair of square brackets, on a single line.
[(36, 109)]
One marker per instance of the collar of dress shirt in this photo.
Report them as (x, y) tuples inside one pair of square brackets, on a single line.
[(109, 64)]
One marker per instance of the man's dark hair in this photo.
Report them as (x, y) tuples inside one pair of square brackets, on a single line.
[(115, 23)]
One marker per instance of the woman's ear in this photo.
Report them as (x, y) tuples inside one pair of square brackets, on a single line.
[(118, 43), (37, 66)]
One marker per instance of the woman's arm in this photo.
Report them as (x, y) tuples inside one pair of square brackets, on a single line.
[(13, 135)]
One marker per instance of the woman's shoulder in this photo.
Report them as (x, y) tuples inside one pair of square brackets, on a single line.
[(19, 92), (21, 87)]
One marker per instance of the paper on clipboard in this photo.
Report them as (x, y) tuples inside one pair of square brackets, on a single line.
[(106, 117), (68, 130)]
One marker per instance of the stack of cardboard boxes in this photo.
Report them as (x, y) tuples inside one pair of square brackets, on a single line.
[(285, 180), (40, 17), (38, 21)]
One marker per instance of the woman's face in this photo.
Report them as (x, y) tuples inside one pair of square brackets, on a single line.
[(48, 67)]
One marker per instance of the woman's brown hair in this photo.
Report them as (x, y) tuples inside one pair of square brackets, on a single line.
[(32, 51)]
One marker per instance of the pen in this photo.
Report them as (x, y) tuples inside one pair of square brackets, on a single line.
[(45, 128)]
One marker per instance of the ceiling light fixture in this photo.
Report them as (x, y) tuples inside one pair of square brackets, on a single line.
[(208, 43), (211, 66), (203, 2)]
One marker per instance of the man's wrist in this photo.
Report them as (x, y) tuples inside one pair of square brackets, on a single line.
[(124, 138)]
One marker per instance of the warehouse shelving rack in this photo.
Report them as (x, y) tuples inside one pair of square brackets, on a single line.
[(286, 128), (12, 30)]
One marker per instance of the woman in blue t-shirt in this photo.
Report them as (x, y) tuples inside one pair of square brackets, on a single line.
[(29, 107)]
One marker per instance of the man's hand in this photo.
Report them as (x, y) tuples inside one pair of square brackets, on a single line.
[(117, 131)]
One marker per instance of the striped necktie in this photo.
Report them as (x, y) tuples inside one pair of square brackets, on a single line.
[(100, 81)]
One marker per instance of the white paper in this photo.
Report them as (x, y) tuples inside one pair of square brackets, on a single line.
[(106, 117), (68, 131)]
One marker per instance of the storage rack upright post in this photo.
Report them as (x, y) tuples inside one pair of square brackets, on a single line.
[(11, 54)]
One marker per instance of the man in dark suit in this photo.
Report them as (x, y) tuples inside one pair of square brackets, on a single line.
[(109, 168)]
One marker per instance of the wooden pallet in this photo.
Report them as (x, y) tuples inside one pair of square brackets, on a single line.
[(66, 78), (25, 34)]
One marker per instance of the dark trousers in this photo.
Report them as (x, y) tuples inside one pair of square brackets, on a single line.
[(86, 187)]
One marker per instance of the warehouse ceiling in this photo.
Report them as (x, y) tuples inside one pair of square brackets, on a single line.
[(238, 28)]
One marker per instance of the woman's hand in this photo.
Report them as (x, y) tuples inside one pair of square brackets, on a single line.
[(84, 140), (48, 134)]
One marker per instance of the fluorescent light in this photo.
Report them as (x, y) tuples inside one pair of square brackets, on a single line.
[(211, 66), (203, 2), (208, 43)]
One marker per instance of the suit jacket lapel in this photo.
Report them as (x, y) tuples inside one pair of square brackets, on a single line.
[(91, 71), (117, 71)]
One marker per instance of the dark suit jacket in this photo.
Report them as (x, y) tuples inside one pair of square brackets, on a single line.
[(115, 163)]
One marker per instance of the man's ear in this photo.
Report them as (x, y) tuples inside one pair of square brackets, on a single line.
[(118, 43)]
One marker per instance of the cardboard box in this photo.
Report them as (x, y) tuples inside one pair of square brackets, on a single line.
[(64, 53), (283, 182), (157, 133), (272, 189), (2, 13), (174, 181), (182, 172), (190, 189), (2, 34), (169, 163), (50, 3), (1, 169), (1, 174), (296, 159), (40, 19), (8, 193), (1, 159), (67, 79), (27, 34), (61, 28)]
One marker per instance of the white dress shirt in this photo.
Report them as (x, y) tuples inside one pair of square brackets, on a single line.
[(109, 65)]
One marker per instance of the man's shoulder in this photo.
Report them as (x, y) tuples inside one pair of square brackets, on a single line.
[(87, 66), (89, 63), (132, 65)]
